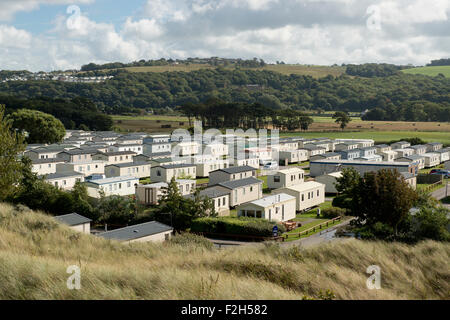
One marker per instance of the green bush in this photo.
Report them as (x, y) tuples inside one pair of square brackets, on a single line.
[(186, 239), (333, 212), (241, 225)]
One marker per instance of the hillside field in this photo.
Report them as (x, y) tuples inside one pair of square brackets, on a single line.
[(35, 253), (430, 71), (287, 69)]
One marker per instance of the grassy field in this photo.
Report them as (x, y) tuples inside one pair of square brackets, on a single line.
[(429, 71), (287, 69), (35, 253), (378, 136)]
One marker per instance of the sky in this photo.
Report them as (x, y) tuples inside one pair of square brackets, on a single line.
[(45, 35)]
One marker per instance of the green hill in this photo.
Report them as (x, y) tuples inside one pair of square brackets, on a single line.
[(35, 253), (430, 71)]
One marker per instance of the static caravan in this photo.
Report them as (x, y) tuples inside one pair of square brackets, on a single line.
[(150, 194), (419, 149), (165, 173), (146, 232), (86, 168), (120, 186), (135, 169), (279, 207), (220, 199), (419, 159), (434, 146), (321, 167), (115, 157), (45, 166), (327, 155), (230, 174), (308, 195), (444, 155), (64, 180), (329, 180), (293, 156), (432, 159), (400, 145), (405, 152), (76, 222), (241, 191), (204, 169), (285, 178), (251, 162)]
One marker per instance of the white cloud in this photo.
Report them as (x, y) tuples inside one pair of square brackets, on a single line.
[(295, 31)]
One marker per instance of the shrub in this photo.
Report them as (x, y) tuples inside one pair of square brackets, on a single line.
[(333, 212), (186, 239), (241, 225)]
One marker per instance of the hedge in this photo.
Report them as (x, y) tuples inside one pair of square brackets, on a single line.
[(239, 226), (333, 212)]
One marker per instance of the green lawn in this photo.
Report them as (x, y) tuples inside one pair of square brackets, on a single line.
[(329, 119), (265, 186), (316, 222), (429, 71), (202, 180), (378, 136), (152, 118)]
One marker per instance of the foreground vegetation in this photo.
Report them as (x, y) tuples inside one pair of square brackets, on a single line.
[(35, 252)]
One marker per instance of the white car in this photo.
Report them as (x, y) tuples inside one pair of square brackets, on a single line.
[(271, 166)]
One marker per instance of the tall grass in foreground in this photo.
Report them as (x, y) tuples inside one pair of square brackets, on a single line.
[(35, 252)]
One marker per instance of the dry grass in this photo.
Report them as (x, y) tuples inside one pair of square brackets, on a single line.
[(35, 252)]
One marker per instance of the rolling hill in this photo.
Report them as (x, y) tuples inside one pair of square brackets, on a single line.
[(430, 71)]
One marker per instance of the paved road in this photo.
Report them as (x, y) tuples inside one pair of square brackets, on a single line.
[(441, 193)]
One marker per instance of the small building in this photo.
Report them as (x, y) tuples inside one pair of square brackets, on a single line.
[(203, 169), (432, 159), (416, 158), (419, 149), (382, 148), (119, 186), (285, 178), (293, 156), (400, 145), (320, 144), (329, 180), (157, 138), (135, 169), (251, 162), (76, 222), (388, 156), (215, 149), (166, 161), (230, 174), (241, 191), (220, 199), (45, 166), (327, 156), (410, 178), (157, 147), (86, 168), (150, 194), (165, 173), (145, 232), (444, 155), (313, 150), (77, 155), (118, 147), (64, 180), (349, 154), (308, 195), (43, 153), (434, 146), (346, 145), (405, 152), (114, 157), (279, 207), (186, 148)]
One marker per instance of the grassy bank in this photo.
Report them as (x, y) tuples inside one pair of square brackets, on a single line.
[(35, 253)]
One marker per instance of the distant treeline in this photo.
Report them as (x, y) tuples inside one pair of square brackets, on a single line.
[(77, 113), (370, 70), (410, 111), (440, 62), (131, 92), (163, 62)]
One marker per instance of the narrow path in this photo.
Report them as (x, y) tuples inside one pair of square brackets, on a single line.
[(441, 193)]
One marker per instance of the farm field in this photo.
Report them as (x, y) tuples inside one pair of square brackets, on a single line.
[(429, 71), (287, 69)]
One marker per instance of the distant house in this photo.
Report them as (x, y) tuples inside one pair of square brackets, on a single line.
[(77, 155), (43, 153), (76, 222), (120, 186), (135, 169), (150, 194), (279, 207), (293, 156), (164, 173), (434, 146), (419, 149), (187, 148), (388, 155), (251, 162), (348, 145), (308, 194), (146, 232), (382, 148), (157, 147), (285, 178), (444, 155), (327, 156), (350, 154), (230, 174), (204, 169), (87, 168), (400, 145), (329, 180), (416, 158), (405, 152), (241, 191), (45, 166), (220, 199), (313, 150), (114, 157), (117, 147), (410, 178), (432, 159), (64, 180), (215, 149)]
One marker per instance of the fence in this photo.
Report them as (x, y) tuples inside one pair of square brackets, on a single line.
[(313, 229)]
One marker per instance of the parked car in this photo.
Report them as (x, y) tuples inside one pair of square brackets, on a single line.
[(442, 172), (271, 166)]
